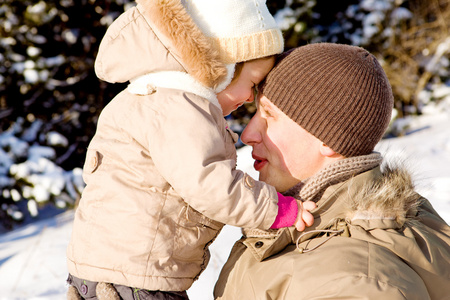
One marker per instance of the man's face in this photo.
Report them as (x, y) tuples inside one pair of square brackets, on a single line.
[(284, 152)]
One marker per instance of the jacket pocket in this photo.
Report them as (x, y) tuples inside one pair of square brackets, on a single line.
[(234, 135), (190, 217), (93, 160), (195, 232)]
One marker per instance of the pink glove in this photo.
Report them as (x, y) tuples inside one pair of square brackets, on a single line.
[(287, 212)]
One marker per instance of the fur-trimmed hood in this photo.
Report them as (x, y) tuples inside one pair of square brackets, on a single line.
[(391, 196), (379, 207), (157, 36), (391, 214)]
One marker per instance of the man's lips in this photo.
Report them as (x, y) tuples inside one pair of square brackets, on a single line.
[(259, 162)]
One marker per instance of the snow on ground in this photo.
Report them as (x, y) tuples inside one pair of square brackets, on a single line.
[(32, 258)]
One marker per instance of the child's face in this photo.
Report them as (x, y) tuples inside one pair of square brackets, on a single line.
[(241, 88)]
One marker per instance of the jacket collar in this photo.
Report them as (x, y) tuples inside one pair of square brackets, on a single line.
[(149, 83)]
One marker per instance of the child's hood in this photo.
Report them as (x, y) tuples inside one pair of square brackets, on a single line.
[(157, 36)]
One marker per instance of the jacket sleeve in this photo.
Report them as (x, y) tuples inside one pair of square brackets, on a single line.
[(188, 149)]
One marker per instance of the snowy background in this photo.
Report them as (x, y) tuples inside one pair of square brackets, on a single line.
[(32, 258), (50, 98)]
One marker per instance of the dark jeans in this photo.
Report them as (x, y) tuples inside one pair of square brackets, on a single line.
[(86, 289)]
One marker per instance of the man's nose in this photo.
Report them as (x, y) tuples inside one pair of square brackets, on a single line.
[(251, 135)]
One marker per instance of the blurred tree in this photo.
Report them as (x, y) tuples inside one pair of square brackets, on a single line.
[(47, 50), (48, 89)]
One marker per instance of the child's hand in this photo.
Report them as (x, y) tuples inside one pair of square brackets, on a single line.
[(290, 209), (304, 217)]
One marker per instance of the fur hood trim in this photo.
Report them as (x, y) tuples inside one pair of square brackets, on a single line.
[(389, 197), (196, 53)]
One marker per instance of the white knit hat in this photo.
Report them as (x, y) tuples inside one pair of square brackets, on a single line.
[(240, 29)]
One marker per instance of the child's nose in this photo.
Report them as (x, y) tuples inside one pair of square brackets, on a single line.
[(251, 97)]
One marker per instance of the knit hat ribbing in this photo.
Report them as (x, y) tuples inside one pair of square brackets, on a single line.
[(240, 30), (338, 93)]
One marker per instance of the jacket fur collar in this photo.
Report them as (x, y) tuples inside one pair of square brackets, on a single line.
[(390, 196)]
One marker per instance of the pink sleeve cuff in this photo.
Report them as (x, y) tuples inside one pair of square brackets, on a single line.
[(287, 212)]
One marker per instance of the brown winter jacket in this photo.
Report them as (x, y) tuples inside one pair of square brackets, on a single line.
[(160, 171), (391, 245)]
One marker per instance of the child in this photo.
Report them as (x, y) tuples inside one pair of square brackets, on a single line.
[(160, 171)]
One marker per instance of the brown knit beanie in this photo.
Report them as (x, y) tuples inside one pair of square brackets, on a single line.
[(338, 93)]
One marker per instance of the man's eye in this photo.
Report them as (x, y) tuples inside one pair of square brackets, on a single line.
[(266, 112), (255, 92)]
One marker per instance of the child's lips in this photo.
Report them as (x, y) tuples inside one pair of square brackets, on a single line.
[(259, 162)]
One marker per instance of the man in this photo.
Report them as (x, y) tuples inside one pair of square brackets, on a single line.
[(321, 111)]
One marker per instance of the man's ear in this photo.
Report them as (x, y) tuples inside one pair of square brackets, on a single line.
[(326, 151)]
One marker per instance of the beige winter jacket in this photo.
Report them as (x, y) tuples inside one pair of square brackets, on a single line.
[(390, 244), (161, 166)]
